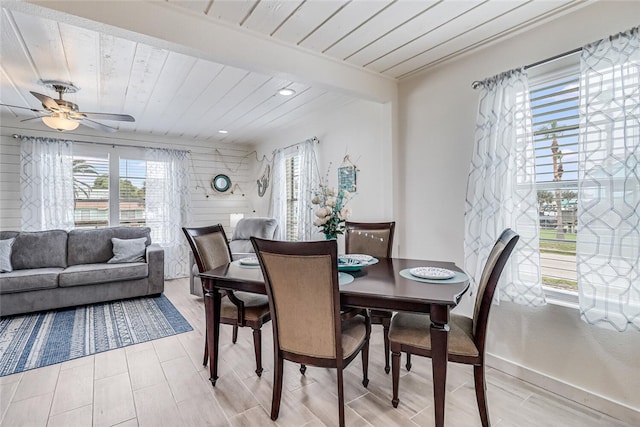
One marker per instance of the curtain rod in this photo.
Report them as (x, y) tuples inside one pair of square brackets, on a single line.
[(476, 84), (314, 139), (111, 144)]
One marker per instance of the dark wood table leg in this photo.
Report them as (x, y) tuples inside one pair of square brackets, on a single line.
[(212, 300), (439, 355)]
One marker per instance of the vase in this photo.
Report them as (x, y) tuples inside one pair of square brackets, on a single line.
[(330, 236)]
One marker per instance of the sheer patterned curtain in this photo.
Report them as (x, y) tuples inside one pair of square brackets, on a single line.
[(608, 237), (501, 189), (278, 202), (46, 184), (307, 181), (168, 206)]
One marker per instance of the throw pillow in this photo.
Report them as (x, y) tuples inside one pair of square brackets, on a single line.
[(128, 250), (5, 255)]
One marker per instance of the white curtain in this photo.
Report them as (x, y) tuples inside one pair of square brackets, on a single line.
[(307, 182), (278, 202), (168, 206), (501, 188), (608, 236), (46, 184)]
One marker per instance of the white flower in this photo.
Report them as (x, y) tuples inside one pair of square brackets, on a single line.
[(321, 213), (346, 194), (345, 213), (315, 200), (331, 192), (331, 201)]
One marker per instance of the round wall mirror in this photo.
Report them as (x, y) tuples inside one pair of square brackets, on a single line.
[(221, 183)]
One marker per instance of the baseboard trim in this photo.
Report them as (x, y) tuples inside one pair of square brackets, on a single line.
[(602, 404)]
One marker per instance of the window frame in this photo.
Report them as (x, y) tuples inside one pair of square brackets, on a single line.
[(546, 73), (114, 154)]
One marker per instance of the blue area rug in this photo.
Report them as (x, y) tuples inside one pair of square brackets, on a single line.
[(34, 340)]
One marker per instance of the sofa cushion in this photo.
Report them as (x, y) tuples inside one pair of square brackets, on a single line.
[(128, 250), (89, 274), (29, 280), (8, 234), (5, 255), (95, 247), (39, 249)]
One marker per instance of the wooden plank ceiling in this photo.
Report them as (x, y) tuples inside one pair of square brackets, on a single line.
[(180, 95)]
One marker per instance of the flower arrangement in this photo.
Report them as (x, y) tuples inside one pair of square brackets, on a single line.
[(332, 211)]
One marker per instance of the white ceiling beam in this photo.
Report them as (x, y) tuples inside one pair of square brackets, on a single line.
[(178, 29)]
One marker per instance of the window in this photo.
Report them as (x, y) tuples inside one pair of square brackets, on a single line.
[(91, 191), (554, 107), (108, 194), (293, 200), (132, 192)]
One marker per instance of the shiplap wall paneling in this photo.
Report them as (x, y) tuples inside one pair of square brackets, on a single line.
[(9, 183), (208, 160)]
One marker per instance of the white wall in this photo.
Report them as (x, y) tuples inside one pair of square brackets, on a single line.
[(209, 207), (359, 129), (549, 345)]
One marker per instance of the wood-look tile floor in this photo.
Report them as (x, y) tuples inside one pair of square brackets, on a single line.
[(163, 383)]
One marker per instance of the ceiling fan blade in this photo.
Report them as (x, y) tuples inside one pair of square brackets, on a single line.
[(47, 101), (25, 108), (98, 126), (31, 118), (109, 116)]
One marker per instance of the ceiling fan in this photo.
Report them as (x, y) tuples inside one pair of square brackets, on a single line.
[(64, 115)]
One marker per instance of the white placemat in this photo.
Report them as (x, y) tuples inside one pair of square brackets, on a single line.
[(241, 265), (459, 277), (344, 278)]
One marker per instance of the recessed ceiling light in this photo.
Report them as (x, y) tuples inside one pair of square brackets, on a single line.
[(286, 92), (223, 131)]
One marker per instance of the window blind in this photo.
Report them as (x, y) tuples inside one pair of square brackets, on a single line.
[(293, 208), (555, 118)]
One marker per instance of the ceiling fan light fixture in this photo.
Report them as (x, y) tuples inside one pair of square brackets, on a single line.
[(60, 122), (286, 92)]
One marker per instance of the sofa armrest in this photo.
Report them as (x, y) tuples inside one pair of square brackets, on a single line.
[(155, 259)]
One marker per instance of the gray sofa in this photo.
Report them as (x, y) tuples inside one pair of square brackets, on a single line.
[(54, 269)]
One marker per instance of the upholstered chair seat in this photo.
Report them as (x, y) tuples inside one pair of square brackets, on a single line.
[(255, 307), (414, 330)]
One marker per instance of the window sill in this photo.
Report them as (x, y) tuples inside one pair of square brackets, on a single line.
[(562, 298)]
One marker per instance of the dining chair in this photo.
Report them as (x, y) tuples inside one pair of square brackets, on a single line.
[(239, 244), (301, 279), (375, 239), (411, 332), (210, 250)]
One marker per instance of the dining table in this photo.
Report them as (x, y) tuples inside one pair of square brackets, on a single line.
[(383, 285)]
